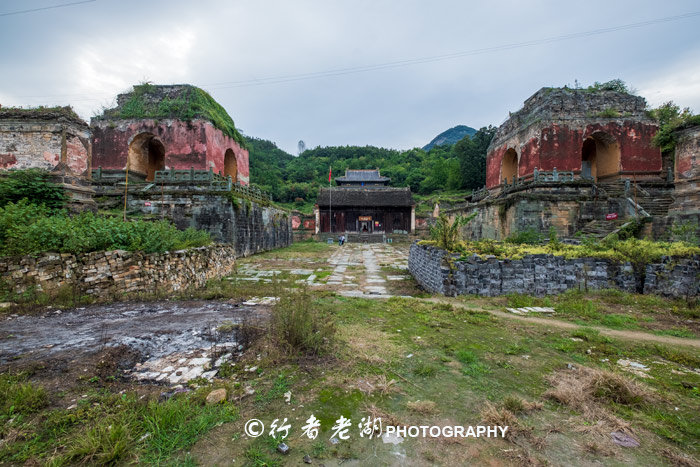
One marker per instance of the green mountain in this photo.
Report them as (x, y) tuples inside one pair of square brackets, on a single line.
[(451, 136)]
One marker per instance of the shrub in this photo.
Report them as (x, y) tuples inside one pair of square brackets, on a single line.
[(446, 233), (32, 185), (26, 228), (529, 236), (298, 327)]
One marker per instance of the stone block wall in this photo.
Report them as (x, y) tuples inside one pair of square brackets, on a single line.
[(249, 226), (105, 273), (566, 208), (437, 271)]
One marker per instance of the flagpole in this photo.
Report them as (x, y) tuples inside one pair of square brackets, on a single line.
[(330, 201)]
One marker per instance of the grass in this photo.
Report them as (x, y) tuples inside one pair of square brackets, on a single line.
[(107, 428), (466, 367), (616, 309), (146, 101), (409, 362)]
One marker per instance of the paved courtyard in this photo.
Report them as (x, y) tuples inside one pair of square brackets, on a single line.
[(353, 270)]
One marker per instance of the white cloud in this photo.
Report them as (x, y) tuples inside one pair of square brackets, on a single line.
[(106, 67), (679, 83)]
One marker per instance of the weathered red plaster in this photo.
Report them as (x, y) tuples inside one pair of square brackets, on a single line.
[(560, 146), (196, 144), (7, 160)]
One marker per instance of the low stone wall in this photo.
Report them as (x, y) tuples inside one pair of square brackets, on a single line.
[(437, 271), (106, 273)]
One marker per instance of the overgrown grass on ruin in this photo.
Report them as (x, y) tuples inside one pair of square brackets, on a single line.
[(633, 250), (190, 104)]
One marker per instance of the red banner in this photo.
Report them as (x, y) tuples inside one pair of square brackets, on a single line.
[(611, 217)]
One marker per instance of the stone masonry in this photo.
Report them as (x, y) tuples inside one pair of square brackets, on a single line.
[(437, 271), (248, 225), (43, 138), (108, 273)]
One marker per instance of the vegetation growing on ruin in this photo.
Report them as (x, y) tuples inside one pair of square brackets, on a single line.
[(190, 104), (633, 250), (27, 228), (446, 232), (32, 221), (32, 184), (616, 85), (41, 113), (671, 118)]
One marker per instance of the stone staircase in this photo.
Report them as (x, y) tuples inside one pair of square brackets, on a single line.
[(654, 204), (601, 228)]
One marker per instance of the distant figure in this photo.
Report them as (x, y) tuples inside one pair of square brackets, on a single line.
[(341, 240)]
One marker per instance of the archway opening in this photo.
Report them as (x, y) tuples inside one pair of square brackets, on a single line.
[(600, 156), (509, 167), (230, 165), (146, 155)]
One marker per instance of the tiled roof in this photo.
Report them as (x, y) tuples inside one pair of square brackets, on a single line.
[(366, 197), (362, 176)]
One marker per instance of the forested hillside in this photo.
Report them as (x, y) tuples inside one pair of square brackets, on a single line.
[(447, 167), (450, 137)]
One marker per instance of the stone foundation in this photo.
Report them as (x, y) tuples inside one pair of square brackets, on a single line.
[(109, 273), (249, 226), (437, 271)]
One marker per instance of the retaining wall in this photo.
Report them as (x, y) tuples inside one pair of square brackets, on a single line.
[(249, 226), (106, 273), (437, 271)]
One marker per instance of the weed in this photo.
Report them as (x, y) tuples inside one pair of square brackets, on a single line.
[(618, 321), (425, 370), (20, 396), (676, 332), (422, 407), (298, 327), (466, 356)]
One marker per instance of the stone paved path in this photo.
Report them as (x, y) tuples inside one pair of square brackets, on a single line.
[(356, 270)]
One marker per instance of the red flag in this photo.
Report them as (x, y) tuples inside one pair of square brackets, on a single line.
[(330, 170)]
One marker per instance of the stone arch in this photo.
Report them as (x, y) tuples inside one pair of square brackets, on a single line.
[(509, 165), (600, 156), (230, 165), (146, 155)]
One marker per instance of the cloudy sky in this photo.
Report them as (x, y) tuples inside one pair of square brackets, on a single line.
[(390, 73)]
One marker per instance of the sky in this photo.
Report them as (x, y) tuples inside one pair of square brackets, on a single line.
[(389, 73)]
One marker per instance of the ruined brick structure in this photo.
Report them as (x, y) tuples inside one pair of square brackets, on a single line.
[(168, 127), (42, 138), (575, 160), (687, 172), (594, 134)]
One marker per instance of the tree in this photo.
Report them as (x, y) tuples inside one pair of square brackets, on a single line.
[(471, 154), (670, 117)]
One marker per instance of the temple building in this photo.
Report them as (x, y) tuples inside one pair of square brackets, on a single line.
[(364, 203)]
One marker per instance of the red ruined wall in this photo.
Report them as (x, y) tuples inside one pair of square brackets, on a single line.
[(76, 155), (493, 166), (560, 146), (196, 144)]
